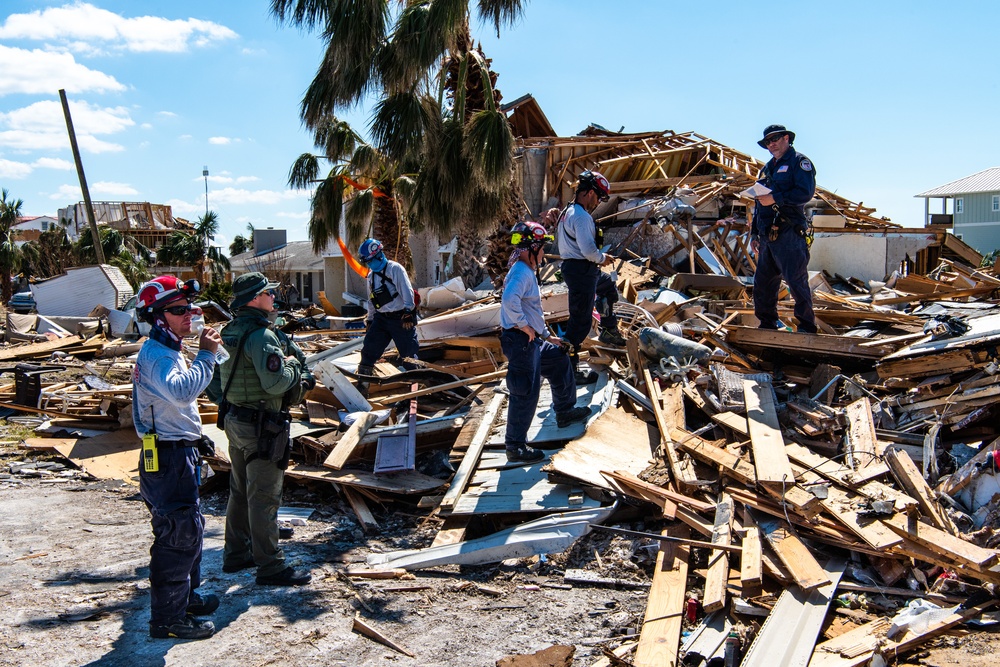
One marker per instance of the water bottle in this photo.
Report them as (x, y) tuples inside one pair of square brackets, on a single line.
[(197, 326)]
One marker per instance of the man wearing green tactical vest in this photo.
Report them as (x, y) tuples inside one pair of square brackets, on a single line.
[(265, 374)]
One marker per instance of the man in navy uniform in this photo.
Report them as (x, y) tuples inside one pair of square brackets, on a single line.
[(779, 233)]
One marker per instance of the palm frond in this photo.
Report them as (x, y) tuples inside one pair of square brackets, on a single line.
[(451, 18), (501, 12), (405, 187), (366, 161), (398, 125), (301, 13), (358, 214), (489, 146), (338, 83), (337, 138), (327, 207), (304, 171)]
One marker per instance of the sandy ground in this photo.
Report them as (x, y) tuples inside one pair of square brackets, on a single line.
[(74, 590)]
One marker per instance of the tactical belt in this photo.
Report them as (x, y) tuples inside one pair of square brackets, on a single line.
[(176, 444), (244, 414), (392, 315)]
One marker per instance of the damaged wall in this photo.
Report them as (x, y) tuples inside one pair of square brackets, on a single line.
[(866, 255)]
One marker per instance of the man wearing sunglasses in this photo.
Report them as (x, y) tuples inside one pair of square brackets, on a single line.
[(165, 388), (265, 374), (578, 237), (780, 231)]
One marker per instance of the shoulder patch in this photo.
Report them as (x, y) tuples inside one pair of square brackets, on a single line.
[(273, 362), (805, 164)]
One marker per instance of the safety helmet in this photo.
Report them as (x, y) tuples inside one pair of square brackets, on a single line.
[(370, 249), (529, 234), (594, 180), (161, 291)]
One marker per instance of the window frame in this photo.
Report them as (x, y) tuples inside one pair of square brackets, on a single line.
[(959, 205), (996, 203)]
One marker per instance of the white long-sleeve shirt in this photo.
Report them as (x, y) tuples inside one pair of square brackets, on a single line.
[(165, 390), (521, 303), (395, 272), (576, 235)]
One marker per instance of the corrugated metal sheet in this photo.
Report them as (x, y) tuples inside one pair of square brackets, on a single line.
[(987, 180), (80, 290)]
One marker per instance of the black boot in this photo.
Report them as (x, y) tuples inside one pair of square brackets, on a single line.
[(582, 377)]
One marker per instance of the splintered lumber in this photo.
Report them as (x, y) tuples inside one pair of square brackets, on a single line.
[(479, 379), (862, 448), (960, 479), (660, 637), (938, 541), (820, 345), (404, 483), (858, 640), (906, 473), (43, 349), (718, 562), (703, 450), (345, 447), (770, 460), (627, 479), (452, 531), (789, 634), (939, 363), (668, 539), (361, 511), (793, 554), (368, 631), (475, 449), (668, 409), (750, 558), (630, 485)]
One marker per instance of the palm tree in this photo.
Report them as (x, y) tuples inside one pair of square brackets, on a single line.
[(10, 254), (124, 252), (49, 256), (437, 117), (196, 250), (242, 244)]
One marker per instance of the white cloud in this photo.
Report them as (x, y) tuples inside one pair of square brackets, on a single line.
[(113, 189), (39, 72), (166, 114), (222, 141), (147, 126), (300, 216), (223, 178), (84, 28), (67, 193), (42, 126), (11, 169), (52, 163), (181, 207), (243, 196), (185, 137)]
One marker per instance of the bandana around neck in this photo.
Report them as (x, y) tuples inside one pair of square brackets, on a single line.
[(161, 333)]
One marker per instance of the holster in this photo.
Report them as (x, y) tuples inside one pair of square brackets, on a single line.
[(274, 437), (220, 418)]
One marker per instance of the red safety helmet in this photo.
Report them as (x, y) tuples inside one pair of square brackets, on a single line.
[(594, 180), (529, 234), (162, 290)]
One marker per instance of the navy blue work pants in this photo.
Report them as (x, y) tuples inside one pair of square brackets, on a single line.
[(528, 363), (581, 278), (385, 328), (607, 297), (178, 529), (788, 258)]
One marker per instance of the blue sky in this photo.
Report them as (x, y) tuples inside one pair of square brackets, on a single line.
[(888, 98)]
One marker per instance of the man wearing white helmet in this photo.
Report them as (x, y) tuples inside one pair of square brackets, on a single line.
[(164, 393), (392, 312)]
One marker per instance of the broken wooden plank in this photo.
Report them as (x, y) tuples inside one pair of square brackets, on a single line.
[(718, 562), (817, 344), (793, 554), (348, 442), (909, 477), (943, 543), (863, 450), (452, 531), (365, 517), (659, 639), (471, 459), (750, 559), (770, 461), (479, 379), (368, 631), (668, 408)]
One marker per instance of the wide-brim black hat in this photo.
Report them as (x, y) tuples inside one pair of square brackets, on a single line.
[(775, 129)]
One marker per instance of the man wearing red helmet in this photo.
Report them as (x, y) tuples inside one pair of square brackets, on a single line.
[(532, 352), (164, 393), (581, 261)]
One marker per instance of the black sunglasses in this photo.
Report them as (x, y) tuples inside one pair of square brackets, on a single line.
[(771, 140), (179, 310)]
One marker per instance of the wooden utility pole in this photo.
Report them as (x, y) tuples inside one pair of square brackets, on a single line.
[(98, 249)]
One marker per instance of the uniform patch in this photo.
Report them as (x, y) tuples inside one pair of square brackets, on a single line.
[(783, 168), (273, 362), (805, 164)]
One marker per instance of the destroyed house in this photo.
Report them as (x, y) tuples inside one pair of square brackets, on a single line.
[(974, 213), (149, 224)]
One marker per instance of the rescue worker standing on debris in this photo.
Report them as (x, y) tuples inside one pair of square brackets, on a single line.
[(265, 374), (164, 393), (532, 352), (580, 249), (779, 236), (392, 312)]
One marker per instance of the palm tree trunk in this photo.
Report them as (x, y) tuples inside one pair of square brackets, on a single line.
[(392, 229)]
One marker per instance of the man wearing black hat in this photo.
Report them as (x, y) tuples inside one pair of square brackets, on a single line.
[(780, 230), (265, 374)]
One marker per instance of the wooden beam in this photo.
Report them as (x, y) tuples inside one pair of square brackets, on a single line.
[(940, 542), (349, 442), (750, 559), (669, 414), (718, 561), (770, 460), (365, 517), (479, 379), (906, 473), (659, 639), (793, 554), (797, 342), (472, 454)]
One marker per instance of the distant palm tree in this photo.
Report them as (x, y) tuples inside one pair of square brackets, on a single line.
[(196, 250), (437, 119), (10, 254), (242, 244), (124, 252), (49, 256)]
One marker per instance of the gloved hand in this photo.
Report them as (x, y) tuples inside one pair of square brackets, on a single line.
[(206, 447), (308, 382), (409, 320)]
